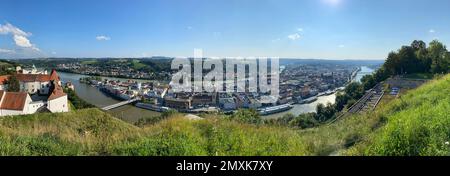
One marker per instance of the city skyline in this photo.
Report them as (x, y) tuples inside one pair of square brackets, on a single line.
[(308, 29)]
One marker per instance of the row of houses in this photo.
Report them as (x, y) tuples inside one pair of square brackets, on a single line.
[(39, 92), (224, 101)]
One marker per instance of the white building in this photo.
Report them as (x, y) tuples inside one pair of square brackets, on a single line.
[(47, 88), (15, 103)]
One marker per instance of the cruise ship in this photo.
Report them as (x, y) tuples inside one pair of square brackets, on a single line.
[(152, 107), (306, 101), (275, 109)]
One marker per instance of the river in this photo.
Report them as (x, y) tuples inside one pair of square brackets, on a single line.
[(364, 71), (128, 113), (305, 108)]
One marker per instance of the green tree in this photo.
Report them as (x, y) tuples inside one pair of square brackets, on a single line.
[(13, 84), (247, 116), (354, 90), (368, 82), (341, 101), (304, 121), (439, 57)]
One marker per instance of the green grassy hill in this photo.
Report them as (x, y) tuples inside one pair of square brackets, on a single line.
[(418, 123), (93, 132)]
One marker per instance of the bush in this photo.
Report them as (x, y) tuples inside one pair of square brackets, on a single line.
[(247, 116)]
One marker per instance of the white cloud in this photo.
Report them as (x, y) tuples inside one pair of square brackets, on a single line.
[(341, 46), (300, 29), (295, 36), (9, 28), (6, 51), (22, 41), (20, 37), (431, 31), (103, 38)]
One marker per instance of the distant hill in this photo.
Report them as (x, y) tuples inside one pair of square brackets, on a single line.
[(284, 61)]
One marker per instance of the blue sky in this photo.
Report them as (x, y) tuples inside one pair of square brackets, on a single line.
[(323, 29)]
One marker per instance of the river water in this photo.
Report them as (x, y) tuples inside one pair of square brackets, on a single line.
[(364, 71), (132, 114), (128, 113)]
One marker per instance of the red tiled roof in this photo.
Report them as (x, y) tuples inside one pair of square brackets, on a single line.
[(13, 100), (56, 93), (54, 75), (3, 79), (33, 77), (1, 94)]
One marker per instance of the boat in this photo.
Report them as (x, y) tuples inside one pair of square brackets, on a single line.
[(307, 101), (275, 109), (329, 92), (152, 107)]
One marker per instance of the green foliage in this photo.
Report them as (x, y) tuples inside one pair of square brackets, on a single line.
[(341, 100), (417, 58), (13, 84), (153, 120), (368, 82), (247, 116), (354, 90), (76, 101), (304, 121), (7, 67)]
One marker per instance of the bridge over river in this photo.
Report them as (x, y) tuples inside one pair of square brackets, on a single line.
[(123, 103)]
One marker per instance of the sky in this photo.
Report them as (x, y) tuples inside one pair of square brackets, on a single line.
[(319, 29)]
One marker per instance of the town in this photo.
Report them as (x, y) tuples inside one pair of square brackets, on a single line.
[(299, 84)]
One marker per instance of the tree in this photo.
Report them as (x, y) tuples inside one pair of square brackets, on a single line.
[(304, 121), (325, 113), (418, 45), (439, 55), (247, 116), (354, 90), (421, 53), (13, 84), (407, 60), (368, 82), (392, 63), (341, 101)]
